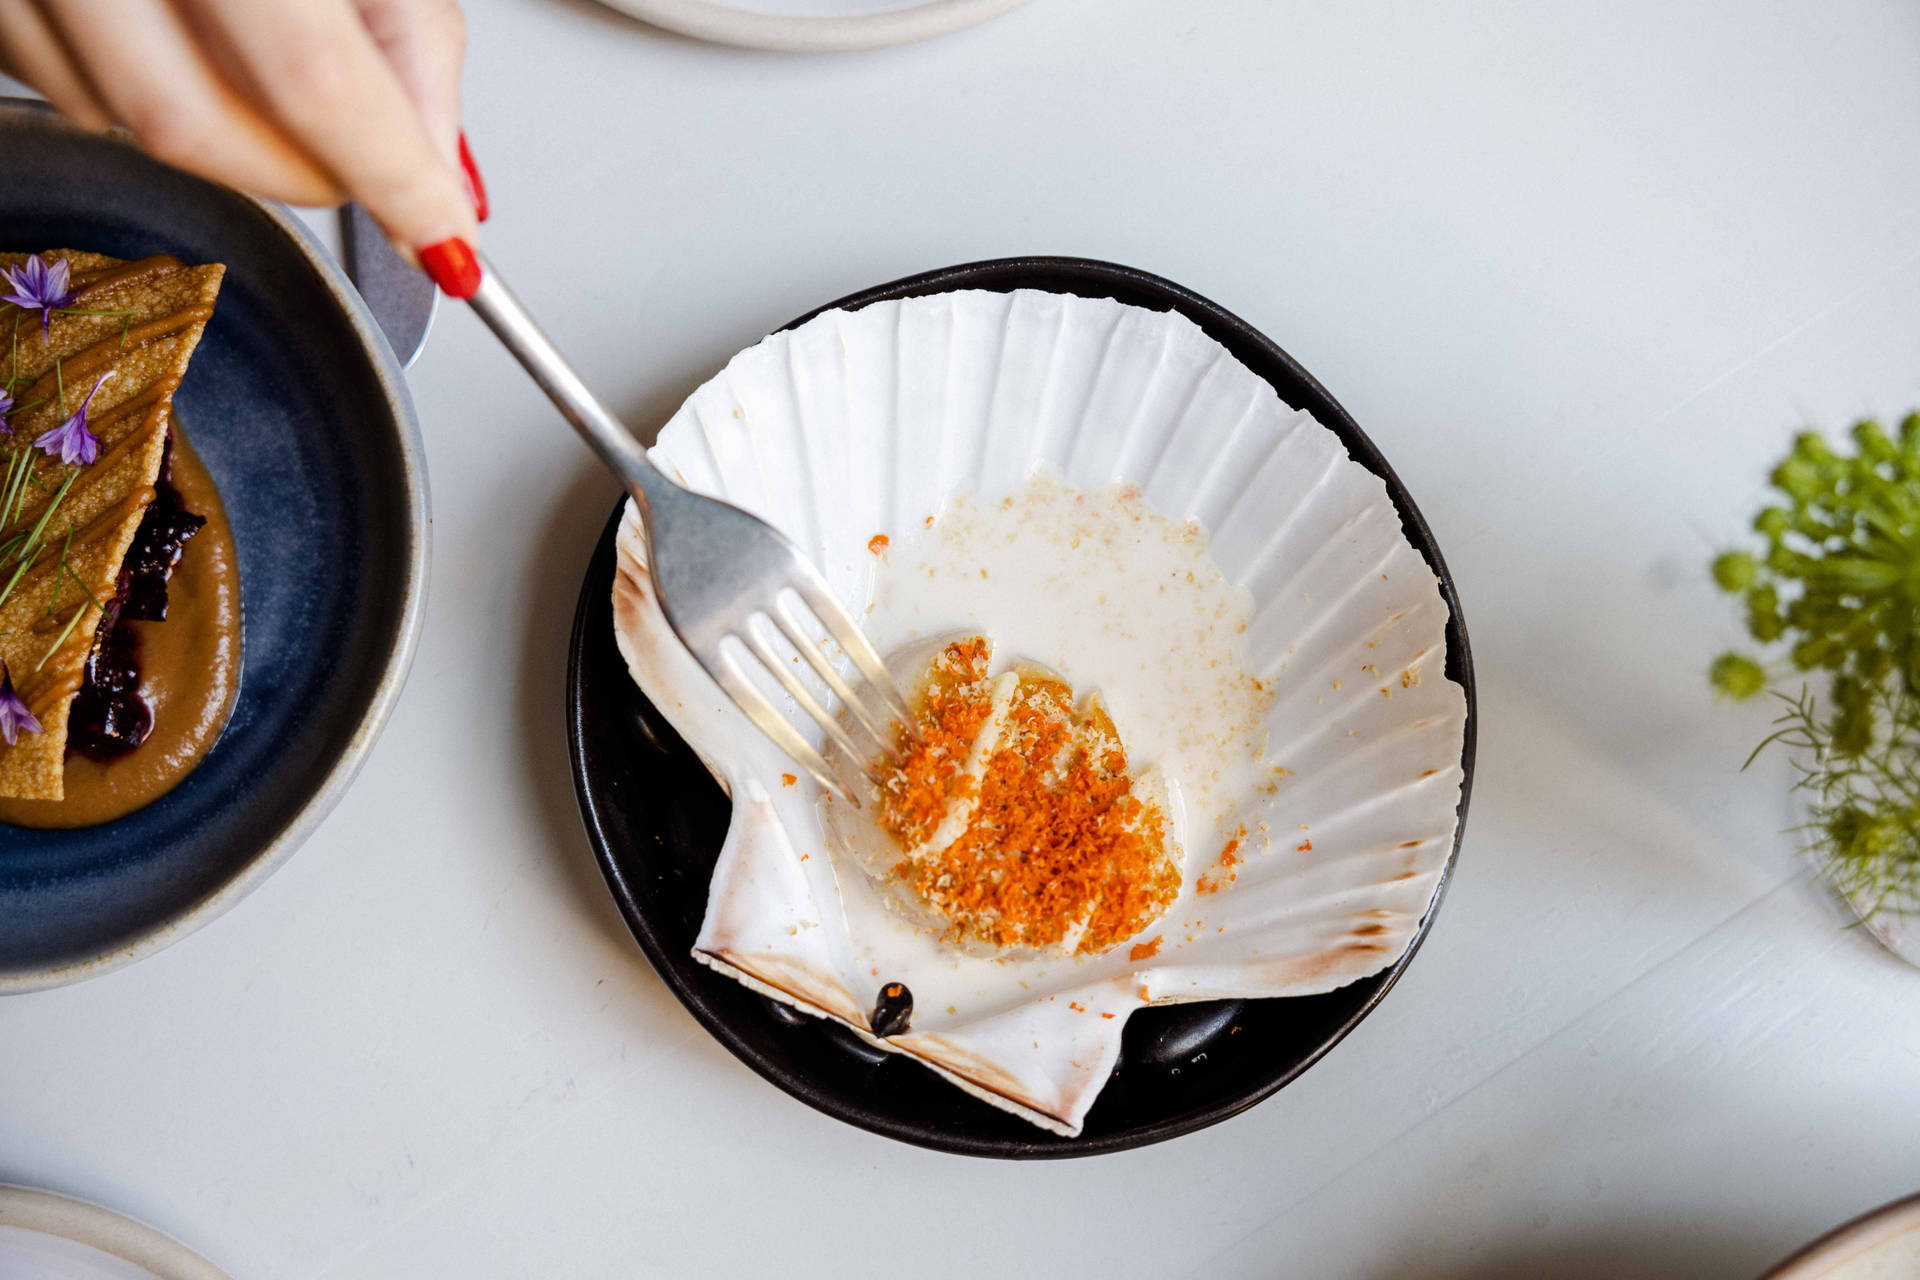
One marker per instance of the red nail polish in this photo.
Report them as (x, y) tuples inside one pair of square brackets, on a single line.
[(476, 186), (453, 266)]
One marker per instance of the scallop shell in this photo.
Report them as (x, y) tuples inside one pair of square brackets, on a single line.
[(863, 423)]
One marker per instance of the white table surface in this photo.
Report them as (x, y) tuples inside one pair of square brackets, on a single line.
[(1577, 268)]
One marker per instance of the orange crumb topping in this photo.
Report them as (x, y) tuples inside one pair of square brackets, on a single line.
[(878, 544), (1058, 851), (1145, 950), (787, 779), (931, 777), (1229, 859)]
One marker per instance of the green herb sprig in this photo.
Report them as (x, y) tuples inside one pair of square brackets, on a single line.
[(1863, 809), (22, 550), (1835, 589), (125, 318)]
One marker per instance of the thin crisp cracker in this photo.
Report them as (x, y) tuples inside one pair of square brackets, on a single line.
[(147, 318)]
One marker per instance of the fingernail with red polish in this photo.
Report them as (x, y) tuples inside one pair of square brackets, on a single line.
[(453, 266), (476, 186)]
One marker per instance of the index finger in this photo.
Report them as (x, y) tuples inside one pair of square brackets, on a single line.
[(148, 72), (425, 41), (314, 68)]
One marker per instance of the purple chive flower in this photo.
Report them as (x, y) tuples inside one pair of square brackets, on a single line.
[(38, 287), (14, 716), (6, 407), (71, 442)]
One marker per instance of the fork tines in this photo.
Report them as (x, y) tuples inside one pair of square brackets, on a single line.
[(755, 637)]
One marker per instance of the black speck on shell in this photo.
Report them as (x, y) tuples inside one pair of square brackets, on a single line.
[(892, 1009)]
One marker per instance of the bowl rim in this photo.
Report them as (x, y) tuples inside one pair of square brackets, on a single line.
[(49, 1213), (719, 22), (400, 654), (1850, 1239), (1263, 357)]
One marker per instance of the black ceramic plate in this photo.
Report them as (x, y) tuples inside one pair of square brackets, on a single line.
[(657, 818), (301, 414)]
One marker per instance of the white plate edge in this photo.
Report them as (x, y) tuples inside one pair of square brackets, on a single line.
[(723, 24), (95, 1226)]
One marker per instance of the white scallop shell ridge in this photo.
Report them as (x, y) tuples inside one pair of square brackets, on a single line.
[(865, 423)]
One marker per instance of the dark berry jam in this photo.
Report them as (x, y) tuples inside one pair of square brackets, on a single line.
[(110, 717), (155, 552)]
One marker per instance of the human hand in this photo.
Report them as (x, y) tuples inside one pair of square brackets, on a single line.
[(307, 101)]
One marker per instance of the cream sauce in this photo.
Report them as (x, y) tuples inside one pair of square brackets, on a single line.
[(1115, 597)]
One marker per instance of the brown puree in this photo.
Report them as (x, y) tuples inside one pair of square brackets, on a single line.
[(189, 673)]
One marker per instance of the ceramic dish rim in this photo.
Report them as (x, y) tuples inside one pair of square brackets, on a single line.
[(49, 1213), (399, 660), (721, 23), (1846, 1241), (1000, 275)]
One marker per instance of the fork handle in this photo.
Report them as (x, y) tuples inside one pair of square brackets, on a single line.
[(521, 334)]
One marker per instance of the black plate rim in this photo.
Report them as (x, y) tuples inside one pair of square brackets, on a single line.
[(1089, 278)]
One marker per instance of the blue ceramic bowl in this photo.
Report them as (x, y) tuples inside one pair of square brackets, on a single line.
[(300, 411)]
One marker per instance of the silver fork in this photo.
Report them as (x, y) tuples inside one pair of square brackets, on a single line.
[(726, 580)]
